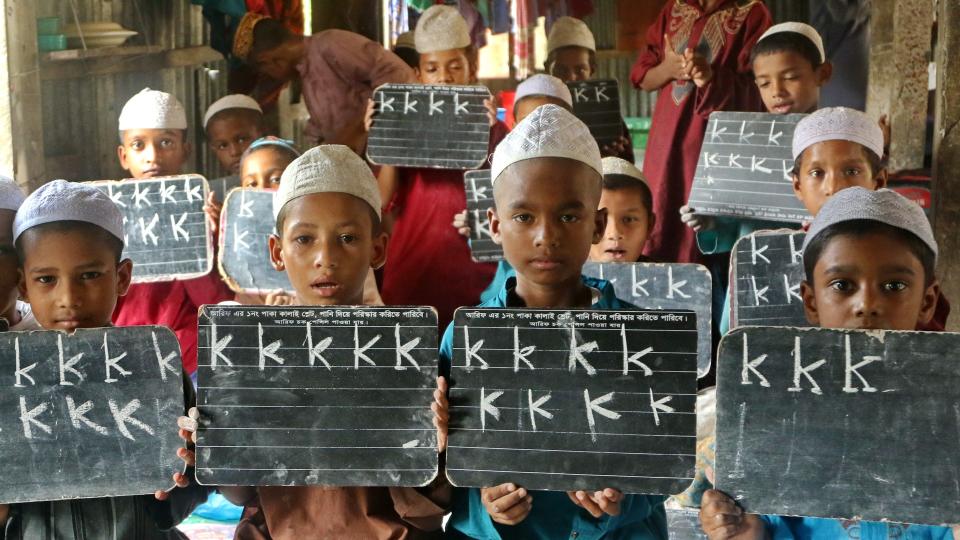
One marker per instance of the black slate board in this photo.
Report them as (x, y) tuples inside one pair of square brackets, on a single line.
[(434, 126), (297, 422), (744, 168), (767, 272), (684, 524), (505, 428), (167, 233), (246, 224), (597, 104), (665, 287), (75, 425), (868, 427), (221, 186), (479, 191)]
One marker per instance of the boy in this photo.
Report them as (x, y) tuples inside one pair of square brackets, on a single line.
[(231, 124), (406, 49), (869, 260), (540, 90), (572, 57), (629, 204), (264, 161), (547, 182), (153, 127), (69, 240), (18, 314), (328, 237)]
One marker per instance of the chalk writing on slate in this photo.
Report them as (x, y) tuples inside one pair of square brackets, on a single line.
[(334, 396), (165, 228), (665, 287), (597, 104), (435, 126), (840, 424), (479, 191), (684, 524), (744, 168), (767, 272), (246, 225), (89, 415), (564, 400), (221, 186)]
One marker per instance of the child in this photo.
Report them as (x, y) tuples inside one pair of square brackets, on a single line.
[(547, 175), (18, 314), (263, 163), (153, 128), (428, 263), (540, 90), (572, 57), (869, 260), (69, 240), (231, 124), (629, 205), (406, 49), (327, 210)]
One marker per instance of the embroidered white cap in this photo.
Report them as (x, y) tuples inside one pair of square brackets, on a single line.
[(570, 32), (11, 196), (60, 200), (803, 29), (838, 123), (328, 168), (622, 167), (544, 85), (441, 28), (231, 101), (152, 109)]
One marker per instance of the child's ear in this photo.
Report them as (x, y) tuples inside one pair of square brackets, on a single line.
[(795, 180), (599, 225), (276, 253), (124, 276), (22, 285), (882, 177), (122, 157), (379, 254), (824, 73), (652, 224), (929, 307), (809, 303), (416, 72), (494, 225)]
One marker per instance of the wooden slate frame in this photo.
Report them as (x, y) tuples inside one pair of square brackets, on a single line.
[(246, 223), (766, 272), (744, 168), (663, 286), (365, 420), (93, 414), (447, 126), (840, 424), (536, 399), (479, 191), (597, 104), (152, 263)]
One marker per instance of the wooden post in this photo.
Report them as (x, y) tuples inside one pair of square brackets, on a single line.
[(946, 153), (21, 125), (899, 55)]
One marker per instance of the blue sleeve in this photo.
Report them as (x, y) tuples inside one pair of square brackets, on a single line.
[(642, 515), (504, 270), (777, 527)]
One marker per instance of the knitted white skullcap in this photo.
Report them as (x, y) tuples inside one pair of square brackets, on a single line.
[(838, 123), (406, 41), (60, 200), (441, 28), (803, 29), (11, 196), (549, 131), (615, 165), (883, 205), (544, 85), (329, 168), (232, 101), (567, 32), (152, 109)]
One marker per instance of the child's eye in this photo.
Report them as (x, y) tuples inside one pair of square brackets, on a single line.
[(275, 180), (302, 239), (523, 218), (894, 286), (629, 219), (852, 171), (90, 275), (222, 146), (46, 280), (568, 218), (763, 84), (815, 173), (841, 285), (166, 143), (347, 238), (137, 145)]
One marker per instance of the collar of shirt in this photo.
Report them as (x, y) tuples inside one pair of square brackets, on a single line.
[(601, 290)]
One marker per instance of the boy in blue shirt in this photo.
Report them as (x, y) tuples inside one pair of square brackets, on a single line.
[(547, 177), (869, 260)]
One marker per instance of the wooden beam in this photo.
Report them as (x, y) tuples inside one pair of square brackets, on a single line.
[(143, 59), (946, 154)]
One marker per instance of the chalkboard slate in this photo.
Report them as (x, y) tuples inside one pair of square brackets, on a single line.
[(167, 235), (479, 191), (840, 424), (246, 224), (744, 168), (221, 186), (435, 126), (93, 414), (334, 396), (684, 524), (564, 400), (665, 287), (597, 104), (765, 287)]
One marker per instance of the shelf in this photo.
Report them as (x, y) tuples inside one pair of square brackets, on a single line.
[(79, 63), (100, 52)]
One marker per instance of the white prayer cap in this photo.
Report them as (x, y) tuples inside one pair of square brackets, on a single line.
[(615, 165), (544, 85), (567, 32), (60, 200), (11, 196), (328, 168), (232, 101), (838, 123), (883, 205), (803, 29), (152, 109), (441, 28), (406, 41), (549, 131)]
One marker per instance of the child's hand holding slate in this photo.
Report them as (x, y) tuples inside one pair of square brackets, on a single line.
[(188, 432), (598, 503), (697, 222), (213, 209), (491, 106), (722, 519), (507, 504), (461, 225), (441, 413)]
